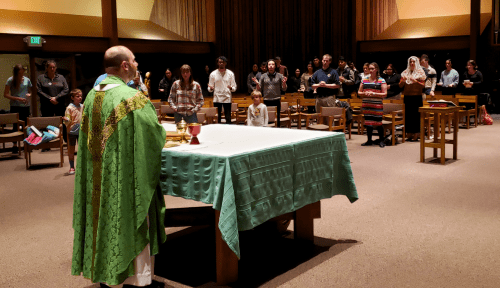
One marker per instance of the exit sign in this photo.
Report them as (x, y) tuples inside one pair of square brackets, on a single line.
[(34, 41)]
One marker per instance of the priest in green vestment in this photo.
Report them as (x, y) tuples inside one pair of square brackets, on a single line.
[(118, 213)]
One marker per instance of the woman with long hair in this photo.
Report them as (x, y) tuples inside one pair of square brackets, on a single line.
[(166, 84), (373, 89), (392, 79), (413, 81), (18, 91), (304, 79), (186, 97), (472, 79)]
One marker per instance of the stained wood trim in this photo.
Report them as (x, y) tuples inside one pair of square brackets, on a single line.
[(434, 43), (110, 21), (10, 43)]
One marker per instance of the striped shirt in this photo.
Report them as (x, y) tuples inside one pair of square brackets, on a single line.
[(430, 81), (185, 101), (373, 108)]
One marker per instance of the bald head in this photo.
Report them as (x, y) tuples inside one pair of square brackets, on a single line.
[(115, 55), (120, 61)]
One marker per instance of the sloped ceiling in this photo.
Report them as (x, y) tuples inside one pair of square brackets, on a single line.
[(436, 8), (127, 9), (40, 23), (457, 25)]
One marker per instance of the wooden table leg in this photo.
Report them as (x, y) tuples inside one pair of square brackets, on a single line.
[(422, 137), (437, 128), (303, 223), (226, 261), (455, 135), (443, 140)]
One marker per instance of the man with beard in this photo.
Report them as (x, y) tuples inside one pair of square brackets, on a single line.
[(222, 83), (118, 213)]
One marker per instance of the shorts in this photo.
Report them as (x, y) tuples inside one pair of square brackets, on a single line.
[(72, 139)]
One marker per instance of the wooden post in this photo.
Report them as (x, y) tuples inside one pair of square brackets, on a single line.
[(303, 223), (109, 21), (226, 261), (34, 94), (475, 21), (73, 72)]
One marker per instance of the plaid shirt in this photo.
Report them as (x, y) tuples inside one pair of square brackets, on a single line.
[(185, 101)]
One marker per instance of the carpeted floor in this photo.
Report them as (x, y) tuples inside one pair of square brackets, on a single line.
[(415, 225)]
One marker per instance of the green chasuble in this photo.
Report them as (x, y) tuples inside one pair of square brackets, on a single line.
[(117, 174)]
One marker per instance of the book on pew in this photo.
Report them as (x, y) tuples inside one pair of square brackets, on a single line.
[(441, 103)]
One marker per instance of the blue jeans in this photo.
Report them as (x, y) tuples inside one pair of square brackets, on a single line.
[(188, 118)]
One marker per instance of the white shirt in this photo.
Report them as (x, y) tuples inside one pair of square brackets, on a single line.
[(257, 116), (222, 94)]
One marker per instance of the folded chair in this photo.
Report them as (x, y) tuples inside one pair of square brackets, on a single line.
[(12, 136), (42, 123), (335, 117), (210, 114), (469, 103), (272, 114), (285, 116), (167, 112), (305, 115), (394, 115)]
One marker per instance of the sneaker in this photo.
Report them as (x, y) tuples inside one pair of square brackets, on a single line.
[(381, 144), (71, 171), (367, 143)]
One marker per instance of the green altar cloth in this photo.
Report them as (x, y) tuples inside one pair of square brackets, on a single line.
[(251, 187)]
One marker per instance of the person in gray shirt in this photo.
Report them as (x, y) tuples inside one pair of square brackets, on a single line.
[(271, 84), (449, 79)]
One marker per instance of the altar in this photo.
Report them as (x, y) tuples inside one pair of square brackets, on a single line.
[(252, 174)]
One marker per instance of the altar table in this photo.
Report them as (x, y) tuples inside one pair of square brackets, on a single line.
[(252, 174)]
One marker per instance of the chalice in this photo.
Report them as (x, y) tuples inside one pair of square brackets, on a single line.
[(181, 129), (194, 130)]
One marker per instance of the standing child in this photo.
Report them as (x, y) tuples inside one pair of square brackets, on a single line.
[(72, 120), (257, 112)]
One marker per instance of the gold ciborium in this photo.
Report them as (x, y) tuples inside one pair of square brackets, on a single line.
[(194, 130), (182, 129)]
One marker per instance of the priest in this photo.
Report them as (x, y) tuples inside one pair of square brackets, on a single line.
[(118, 213)]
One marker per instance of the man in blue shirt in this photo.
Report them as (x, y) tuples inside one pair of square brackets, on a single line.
[(326, 83)]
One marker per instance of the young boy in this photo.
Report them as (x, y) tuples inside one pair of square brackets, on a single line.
[(257, 112), (72, 120)]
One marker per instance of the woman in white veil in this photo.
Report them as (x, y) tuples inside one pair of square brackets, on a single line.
[(413, 81)]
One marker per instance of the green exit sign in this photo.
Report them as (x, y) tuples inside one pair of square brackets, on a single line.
[(34, 41)]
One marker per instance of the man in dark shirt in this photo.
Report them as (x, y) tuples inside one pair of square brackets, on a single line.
[(316, 63), (346, 78), (326, 83), (281, 68), (250, 83)]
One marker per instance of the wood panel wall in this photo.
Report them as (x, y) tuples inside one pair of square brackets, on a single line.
[(376, 16), (249, 32), (188, 18)]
